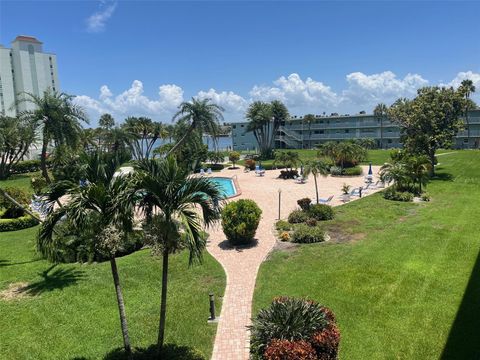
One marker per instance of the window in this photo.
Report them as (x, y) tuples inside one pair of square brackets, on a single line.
[(322, 132), (241, 125), (234, 126), (389, 141), (347, 131), (465, 140)]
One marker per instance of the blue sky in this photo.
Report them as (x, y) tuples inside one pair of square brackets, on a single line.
[(145, 57)]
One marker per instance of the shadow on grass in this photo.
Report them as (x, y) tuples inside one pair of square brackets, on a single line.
[(4, 263), (54, 280), (170, 352), (443, 176), (463, 339)]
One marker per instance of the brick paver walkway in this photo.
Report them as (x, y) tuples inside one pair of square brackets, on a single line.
[(241, 264)]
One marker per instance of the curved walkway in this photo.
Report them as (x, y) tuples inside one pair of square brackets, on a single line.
[(241, 264)]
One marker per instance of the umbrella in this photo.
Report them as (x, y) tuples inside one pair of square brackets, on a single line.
[(370, 172)]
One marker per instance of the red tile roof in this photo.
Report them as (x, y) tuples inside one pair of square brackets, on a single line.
[(27, 38)]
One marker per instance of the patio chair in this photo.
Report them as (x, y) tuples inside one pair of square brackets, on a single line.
[(325, 201), (260, 172), (209, 171), (300, 180), (355, 192), (202, 172)]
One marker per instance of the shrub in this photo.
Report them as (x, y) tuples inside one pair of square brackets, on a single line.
[(285, 236), (26, 166), (392, 194), (233, 156), (216, 167), (288, 174), (12, 211), (425, 197), (321, 212), (335, 170), (240, 221), (297, 216), (353, 171), (311, 222), (18, 223), (307, 235), (326, 341), (304, 203), (289, 350), (298, 321), (250, 164), (38, 184), (283, 225)]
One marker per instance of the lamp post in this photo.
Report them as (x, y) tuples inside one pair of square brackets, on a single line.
[(279, 201)]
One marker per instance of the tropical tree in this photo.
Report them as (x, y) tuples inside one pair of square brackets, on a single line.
[(467, 88), (233, 156), (16, 137), (316, 167), (430, 121), (57, 118), (380, 113), (106, 121), (289, 159), (176, 197), (201, 115), (394, 171), (418, 168), (280, 114), (104, 206), (142, 134), (309, 119)]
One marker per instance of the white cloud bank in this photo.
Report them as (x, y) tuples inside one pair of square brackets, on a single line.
[(98, 20), (362, 92)]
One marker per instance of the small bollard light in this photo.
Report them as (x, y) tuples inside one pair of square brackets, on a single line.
[(279, 201), (212, 307)]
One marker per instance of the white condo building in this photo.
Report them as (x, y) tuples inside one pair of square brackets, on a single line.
[(25, 68)]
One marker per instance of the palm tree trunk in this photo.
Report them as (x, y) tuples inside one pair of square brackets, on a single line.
[(468, 126), (17, 204), (316, 188), (163, 302), (381, 132), (121, 306), (43, 159), (180, 142)]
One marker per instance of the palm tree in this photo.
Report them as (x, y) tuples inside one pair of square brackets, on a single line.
[(103, 205), (201, 115), (279, 116), (419, 169), (57, 118), (309, 119), (315, 167), (142, 135), (259, 115), (380, 112), (170, 199), (467, 88), (394, 171)]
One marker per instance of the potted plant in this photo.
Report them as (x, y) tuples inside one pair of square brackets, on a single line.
[(346, 192)]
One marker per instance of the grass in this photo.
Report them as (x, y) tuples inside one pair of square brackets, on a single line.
[(69, 311), (405, 279), (21, 181)]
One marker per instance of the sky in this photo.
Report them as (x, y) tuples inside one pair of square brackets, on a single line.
[(143, 58)]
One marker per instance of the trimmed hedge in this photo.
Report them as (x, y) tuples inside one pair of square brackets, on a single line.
[(19, 223), (353, 171), (297, 216), (321, 212), (240, 221), (28, 166), (392, 194)]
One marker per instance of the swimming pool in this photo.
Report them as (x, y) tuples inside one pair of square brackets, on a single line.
[(227, 185)]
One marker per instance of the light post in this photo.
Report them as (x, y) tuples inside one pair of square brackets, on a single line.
[(279, 201)]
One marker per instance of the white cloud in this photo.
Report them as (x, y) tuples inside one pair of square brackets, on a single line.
[(295, 92), (98, 20), (368, 90), (234, 104), (464, 75), (363, 92)]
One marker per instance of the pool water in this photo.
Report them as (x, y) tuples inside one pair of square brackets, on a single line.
[(227, 186)]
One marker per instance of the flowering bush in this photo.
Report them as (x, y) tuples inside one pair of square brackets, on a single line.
[(304, 203), (289, 350), (285, 236)]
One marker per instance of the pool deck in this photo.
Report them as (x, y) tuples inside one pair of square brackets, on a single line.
[(241, 264)]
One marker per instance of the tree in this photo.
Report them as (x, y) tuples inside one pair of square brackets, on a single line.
[(105, 204), (467, 88), (142, 134), (309, 119), (264, 121), (233, 156), (289, 159), (418, 167), (316, 167), (57, 118), (106, 121), (380, 113), (16, 137), (394, 171), (201, 115), (175, 195), (430, 121)]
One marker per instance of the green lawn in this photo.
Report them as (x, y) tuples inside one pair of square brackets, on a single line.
[(70, 311), (404, 280), (20, 181)]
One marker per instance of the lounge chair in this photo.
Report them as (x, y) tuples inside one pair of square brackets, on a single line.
[(325, 201), (260, 172), (209, 171), (202, 172), (355, 192), (300, 180)]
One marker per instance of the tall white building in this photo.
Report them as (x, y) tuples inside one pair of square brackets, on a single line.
[(25, 68)]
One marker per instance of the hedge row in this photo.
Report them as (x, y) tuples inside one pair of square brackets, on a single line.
[(22, 222), (27, 166)]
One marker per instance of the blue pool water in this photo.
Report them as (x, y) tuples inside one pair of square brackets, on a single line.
[(226, 184)]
